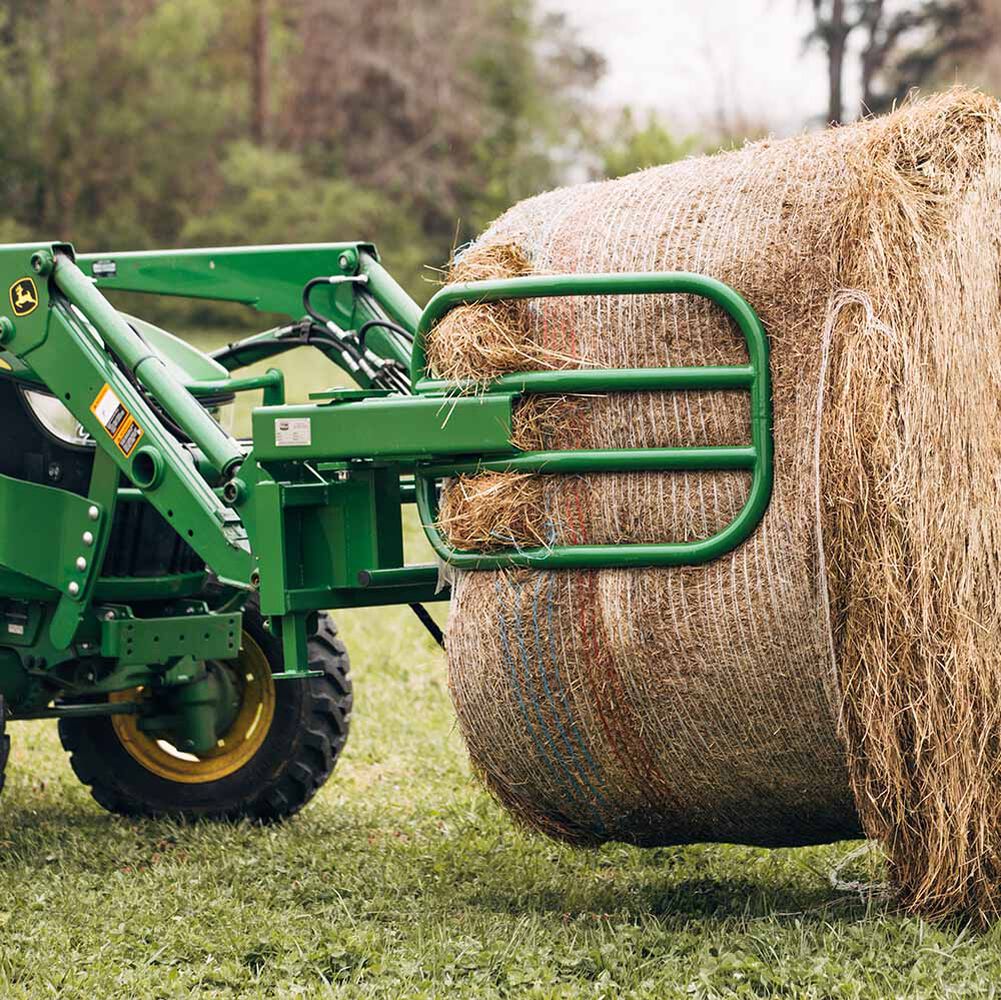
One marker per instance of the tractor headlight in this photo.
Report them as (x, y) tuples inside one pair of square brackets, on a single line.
[(56, 419)]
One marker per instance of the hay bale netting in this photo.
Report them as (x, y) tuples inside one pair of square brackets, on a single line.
[(839, 670)]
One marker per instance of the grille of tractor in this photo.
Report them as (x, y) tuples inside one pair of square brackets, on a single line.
[(143, 544)]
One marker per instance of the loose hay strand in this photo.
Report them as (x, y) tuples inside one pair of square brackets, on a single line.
[(482, 340), (493, 510)]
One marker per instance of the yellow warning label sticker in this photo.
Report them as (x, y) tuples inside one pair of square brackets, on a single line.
[(116, 420), (129, 436), (108, 408)]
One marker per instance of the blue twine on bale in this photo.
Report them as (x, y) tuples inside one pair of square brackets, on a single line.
[(553, 761)]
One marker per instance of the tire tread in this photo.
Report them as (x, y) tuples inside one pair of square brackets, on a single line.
[(321, 736)]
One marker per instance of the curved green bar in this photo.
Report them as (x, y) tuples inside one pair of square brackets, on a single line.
[(753, 377), (556, 285), (604, 460)]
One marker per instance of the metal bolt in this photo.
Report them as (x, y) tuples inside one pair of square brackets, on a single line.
[(342, 475), (88, 538), (73, 588), (345, 261), (55, 471), (81, 563), (235, 491), (255, 579), (42, 262), (93, 513), (109, 616)]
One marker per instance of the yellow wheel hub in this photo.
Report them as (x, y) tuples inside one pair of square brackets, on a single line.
[(251, 675)]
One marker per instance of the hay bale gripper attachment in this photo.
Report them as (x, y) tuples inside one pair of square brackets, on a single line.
[(164, 586)]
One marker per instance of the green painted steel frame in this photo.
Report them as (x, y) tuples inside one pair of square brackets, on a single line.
[(755, 457), (269, 279), (140, 641)]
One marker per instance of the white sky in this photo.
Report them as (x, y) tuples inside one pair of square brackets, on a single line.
[(689, 58)]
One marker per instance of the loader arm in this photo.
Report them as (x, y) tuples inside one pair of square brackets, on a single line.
[(71, 339), (271, 280)]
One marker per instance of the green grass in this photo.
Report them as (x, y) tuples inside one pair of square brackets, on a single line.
[(404, 879)]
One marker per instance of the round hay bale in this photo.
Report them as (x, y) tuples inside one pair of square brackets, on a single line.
[(837, 672)]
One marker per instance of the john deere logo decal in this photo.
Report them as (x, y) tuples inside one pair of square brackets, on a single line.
[(23, 297)]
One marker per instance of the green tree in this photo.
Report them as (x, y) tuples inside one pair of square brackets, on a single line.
[(268, 194), (634, 146), (116, 125), (900, 45), (456, 108), (411, 123)]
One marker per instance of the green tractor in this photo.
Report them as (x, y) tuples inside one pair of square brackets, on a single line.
[(165, 587)]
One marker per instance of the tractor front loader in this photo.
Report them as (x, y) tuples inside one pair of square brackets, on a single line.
[(165, 587)]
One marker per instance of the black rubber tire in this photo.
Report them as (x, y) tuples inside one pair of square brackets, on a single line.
[(4, 744), (307, 734)]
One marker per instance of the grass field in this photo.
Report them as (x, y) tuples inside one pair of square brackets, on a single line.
[(404, 879)]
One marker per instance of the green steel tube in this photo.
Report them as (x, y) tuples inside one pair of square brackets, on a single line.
[(267, 278), (221, 451), (400, 307), (754, 377), (605, 380), (604, 556), (272, 382), (400, 576), (627, 283), (605, 460)]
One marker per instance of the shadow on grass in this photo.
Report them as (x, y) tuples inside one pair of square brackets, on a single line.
[(701, 898), (675, 885), (497, 870), (86, 837)]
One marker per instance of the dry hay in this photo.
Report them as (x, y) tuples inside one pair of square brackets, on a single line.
[(484, 338), (492, 510), (840, 665)]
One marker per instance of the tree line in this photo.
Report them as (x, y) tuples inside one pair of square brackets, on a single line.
[(157, 123), (896, 46), (411, 123)]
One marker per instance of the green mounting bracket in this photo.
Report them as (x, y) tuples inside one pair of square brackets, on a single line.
[(755, 457), (49, 535), (143, 641)]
